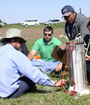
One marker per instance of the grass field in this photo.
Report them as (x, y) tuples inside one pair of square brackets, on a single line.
[(45, 95), (18, 25)]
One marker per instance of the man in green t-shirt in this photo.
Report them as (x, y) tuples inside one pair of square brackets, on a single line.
[(46, 46)]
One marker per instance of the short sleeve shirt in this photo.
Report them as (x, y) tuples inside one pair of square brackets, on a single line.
[(46, 49)]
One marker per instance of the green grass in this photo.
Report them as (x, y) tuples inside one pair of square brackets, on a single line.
[(45, 95), (18, 25)]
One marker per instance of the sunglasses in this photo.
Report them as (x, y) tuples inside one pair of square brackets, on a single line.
[(47, 34)]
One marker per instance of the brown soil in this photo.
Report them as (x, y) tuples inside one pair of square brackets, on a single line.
[(29, 33)]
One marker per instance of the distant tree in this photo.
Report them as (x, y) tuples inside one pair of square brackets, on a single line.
[(0, 21)]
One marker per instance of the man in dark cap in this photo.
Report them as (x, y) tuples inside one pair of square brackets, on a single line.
[(76, 23)]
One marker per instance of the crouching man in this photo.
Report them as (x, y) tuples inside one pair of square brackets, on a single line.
[(13, 64)]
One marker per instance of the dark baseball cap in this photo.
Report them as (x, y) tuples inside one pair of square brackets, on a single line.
[(66, 10)]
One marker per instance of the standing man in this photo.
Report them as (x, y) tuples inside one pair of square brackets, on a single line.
[(46, 45), (88, 25), (13, 64), (88, 54), (75, 23)]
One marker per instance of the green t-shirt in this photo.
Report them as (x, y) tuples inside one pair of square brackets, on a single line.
[(46, 49)]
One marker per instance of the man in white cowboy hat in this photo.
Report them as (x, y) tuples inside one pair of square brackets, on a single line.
[(13, 64), (13, 33), (23, 48)]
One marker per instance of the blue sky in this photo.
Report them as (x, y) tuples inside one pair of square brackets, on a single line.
[(16, 11)]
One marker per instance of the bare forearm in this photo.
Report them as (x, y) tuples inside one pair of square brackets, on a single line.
[(31, 54)]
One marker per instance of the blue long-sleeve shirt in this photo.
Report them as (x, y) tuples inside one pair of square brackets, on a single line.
[(13, 64)]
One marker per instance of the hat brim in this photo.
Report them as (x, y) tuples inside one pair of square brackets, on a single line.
[(22, 39), (66, 14)]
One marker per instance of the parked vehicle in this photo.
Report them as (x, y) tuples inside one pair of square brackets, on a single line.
[(30, 22), (55, 21), (2, 24)]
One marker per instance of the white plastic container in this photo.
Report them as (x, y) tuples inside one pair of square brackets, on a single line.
[(77, 68)]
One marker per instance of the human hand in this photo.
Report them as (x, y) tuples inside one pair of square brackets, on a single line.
[(63, 46), (87, 58), (59, 67), (58, 83)]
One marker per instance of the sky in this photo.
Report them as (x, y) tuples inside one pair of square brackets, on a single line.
[(17, 11)]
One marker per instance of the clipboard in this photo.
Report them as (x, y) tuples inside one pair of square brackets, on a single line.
[(59, 54)]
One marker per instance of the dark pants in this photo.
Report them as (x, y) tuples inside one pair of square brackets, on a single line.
[(24, 86)]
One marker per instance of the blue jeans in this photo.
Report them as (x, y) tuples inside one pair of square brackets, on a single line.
[(24, 86), (45, 66)]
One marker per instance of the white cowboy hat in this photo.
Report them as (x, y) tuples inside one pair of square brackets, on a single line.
[(13, 33)]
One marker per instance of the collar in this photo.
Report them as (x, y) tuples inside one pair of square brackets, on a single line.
[(44, 42)]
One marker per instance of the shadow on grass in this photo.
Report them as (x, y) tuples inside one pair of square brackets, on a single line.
[(45, 90)]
